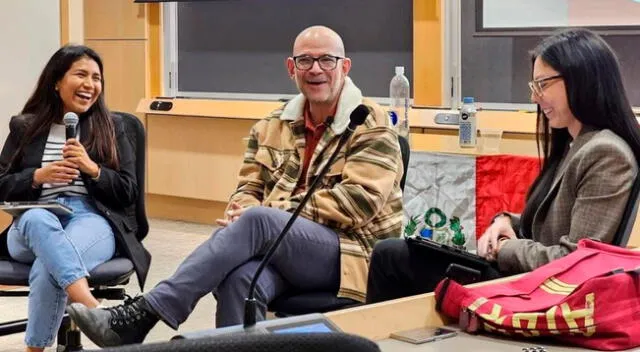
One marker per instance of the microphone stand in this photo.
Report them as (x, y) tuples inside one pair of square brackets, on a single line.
[(250, 303)]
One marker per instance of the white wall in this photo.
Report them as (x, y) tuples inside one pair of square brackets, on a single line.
[(29, 35)]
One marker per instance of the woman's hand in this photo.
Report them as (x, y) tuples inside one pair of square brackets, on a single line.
[(61, 171), (74, 152), (488, 243)]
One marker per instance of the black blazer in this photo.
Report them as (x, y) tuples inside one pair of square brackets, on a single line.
[(114, 193)]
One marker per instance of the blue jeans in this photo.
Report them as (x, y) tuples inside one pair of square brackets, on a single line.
[(61, 250)]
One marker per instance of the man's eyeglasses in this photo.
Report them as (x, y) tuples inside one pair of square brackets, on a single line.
[(326, 62), (537, 86)]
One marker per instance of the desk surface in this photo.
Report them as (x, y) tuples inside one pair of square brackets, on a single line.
[(473, 343)]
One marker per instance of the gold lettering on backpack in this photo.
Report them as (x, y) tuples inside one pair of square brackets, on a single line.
[(570, 316)]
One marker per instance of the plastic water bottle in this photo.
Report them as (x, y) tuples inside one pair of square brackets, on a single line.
[(400, 94), (468, 128)]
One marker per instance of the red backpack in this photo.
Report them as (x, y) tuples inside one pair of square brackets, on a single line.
[(589, 298)]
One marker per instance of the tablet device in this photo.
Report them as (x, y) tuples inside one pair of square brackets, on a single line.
[(307, 323), (307, 326), (17, 208), (457, 255)]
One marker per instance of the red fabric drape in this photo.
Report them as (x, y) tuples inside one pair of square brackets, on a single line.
[(502, 182)]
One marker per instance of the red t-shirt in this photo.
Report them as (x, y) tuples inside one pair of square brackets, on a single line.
[(312, 134)]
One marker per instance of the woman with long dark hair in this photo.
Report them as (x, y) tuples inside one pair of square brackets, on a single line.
[(93, 174), (589, 141)]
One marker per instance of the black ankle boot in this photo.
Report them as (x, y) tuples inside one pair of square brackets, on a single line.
[(124, 324)]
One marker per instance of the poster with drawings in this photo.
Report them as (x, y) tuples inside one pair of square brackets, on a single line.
[(439, 198)]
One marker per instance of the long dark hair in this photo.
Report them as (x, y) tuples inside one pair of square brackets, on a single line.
[(597, 98), (45, 107)]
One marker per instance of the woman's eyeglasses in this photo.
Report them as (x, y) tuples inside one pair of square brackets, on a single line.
[(537, 86)]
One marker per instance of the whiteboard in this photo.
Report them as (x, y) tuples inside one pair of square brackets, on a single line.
[(510, 14)]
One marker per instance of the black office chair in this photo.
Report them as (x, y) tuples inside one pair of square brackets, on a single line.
[(104, 277), (623, 233), (298, 303), (310, 342)]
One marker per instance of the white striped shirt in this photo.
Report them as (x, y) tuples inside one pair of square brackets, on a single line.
[(53, 152)]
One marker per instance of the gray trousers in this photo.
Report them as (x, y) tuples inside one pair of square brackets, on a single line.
[(307, 259)]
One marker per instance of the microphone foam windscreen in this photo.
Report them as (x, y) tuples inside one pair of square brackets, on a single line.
[(70, 119), (359, 114)]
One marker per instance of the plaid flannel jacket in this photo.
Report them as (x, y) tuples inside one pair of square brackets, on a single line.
[(360, 197)]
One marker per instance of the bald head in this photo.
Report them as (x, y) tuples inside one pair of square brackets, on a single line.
[(319, 36), (323, 70)]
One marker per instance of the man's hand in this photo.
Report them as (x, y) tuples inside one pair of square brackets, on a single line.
[(234, 212), (488, 243), (74, 152)]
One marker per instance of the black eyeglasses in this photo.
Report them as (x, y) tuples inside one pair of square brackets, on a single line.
[(537, 86), (326, 62)]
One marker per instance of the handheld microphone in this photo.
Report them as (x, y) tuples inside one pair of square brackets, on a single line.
[(357, 117), (70, 120)]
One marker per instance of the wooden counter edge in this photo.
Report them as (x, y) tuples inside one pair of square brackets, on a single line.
[(508, 121), (236, 109)]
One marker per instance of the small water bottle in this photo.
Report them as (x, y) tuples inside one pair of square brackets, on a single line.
[(400, 94), (468, 128)]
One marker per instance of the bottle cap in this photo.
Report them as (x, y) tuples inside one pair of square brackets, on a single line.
[(467, 100), (399, 70)]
